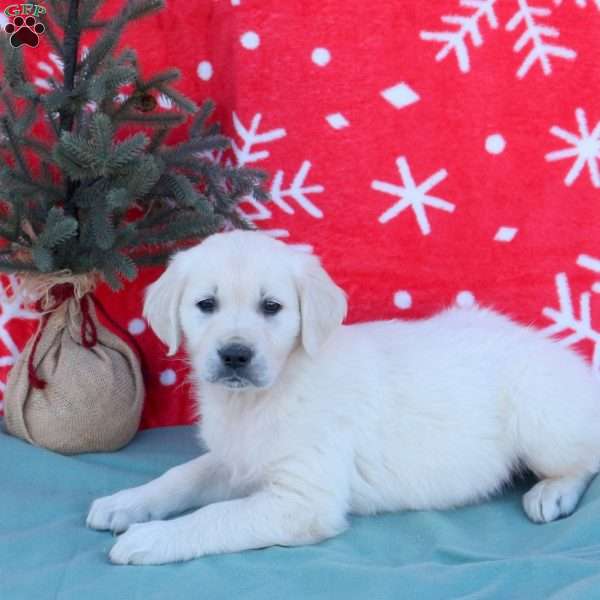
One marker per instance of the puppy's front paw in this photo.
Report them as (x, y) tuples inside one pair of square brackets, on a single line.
[(119, 511), (153, 543)]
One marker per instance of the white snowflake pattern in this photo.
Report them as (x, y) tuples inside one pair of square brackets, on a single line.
[(164, 101), (51, 72), (580, 3), (12, 306), (592, 264), (468, 27), (534, 34), (586, 147), (250, 138), (412, 195), (246, 153), (297, 190), (284, 233), (51, 69), (565, 320)]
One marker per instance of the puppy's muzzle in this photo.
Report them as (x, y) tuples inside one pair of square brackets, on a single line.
[(235, 356)]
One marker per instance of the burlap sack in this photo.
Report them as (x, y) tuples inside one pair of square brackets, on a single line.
[(92, 400)]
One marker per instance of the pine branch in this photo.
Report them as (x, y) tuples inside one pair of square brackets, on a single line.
[(27, 185), (160, 79), (54, 41), (127, 151), (152, 258), (179, 99), (88, 12), (26, 119), (157, 139), (8, 103), (71, 51), (90, 225), (42, 150), (59, 228), (134, 9), (10, 265), (141, 178), (95, 24), (103, 226), (163, 119), (19, 158), (141, 8), (184, 225), (43, 259), (199, 125), (185, 150), (12, 63), (54, 126), (59, 14)]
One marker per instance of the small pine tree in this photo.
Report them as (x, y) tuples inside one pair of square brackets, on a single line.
[(75, 194)]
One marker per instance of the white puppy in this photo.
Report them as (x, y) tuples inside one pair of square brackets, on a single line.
[(307, 420)]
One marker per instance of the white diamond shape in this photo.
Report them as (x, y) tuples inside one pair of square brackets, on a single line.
[(337, 120), (505, 234), (400, 95)]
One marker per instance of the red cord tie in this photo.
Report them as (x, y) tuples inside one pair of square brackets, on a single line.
[(61, 293), (89, 331)]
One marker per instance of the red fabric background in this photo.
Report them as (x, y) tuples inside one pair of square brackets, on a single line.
[(395, 269)]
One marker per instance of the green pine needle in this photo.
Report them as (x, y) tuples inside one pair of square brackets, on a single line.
[(99, 196)]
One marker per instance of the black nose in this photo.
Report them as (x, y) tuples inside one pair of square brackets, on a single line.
[(235, 355)]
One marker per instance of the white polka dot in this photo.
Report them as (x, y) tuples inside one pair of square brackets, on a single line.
[(465, 299), (168, 377), (495, 143), (204, 70), (402, 299), (321, 56), (136, 326), (250, 40)]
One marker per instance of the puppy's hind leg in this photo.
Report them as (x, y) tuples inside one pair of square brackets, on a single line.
[(551, 499), (557, 430), (555, 424)]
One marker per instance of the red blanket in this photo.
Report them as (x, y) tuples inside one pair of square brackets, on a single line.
[(431, 153)]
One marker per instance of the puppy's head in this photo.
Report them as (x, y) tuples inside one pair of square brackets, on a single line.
[(243, 302)]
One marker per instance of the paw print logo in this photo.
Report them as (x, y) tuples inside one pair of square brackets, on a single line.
[(24, 31)]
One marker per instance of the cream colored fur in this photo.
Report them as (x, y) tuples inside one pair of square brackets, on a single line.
[(331, 419)]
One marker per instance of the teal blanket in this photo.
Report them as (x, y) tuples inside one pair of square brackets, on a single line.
[(486, 551)]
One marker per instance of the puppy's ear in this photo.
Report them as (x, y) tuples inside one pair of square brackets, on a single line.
[(322, 304), (161, 305)]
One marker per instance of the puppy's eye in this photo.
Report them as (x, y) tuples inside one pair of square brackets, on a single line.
[(208, 305), (270, 307)]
